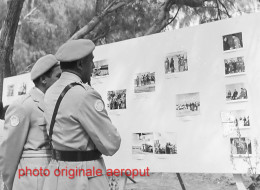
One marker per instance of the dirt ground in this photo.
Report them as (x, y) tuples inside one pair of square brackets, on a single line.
[(169, 181)]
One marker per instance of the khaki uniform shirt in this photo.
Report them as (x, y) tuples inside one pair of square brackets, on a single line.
[(25, 134), (82, 122)]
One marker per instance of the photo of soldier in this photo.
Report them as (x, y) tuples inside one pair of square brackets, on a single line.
[(176, 62), (234, 65), (241, 146), (232, 41), (144, 82), (22, 89), (142, 143), (101, 68), (187, 104), (232, 92), (165, 143), (116, 99), (10, 90), (239, 117)]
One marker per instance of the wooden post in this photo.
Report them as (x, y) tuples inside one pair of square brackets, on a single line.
[(239, 182), (181, 182)]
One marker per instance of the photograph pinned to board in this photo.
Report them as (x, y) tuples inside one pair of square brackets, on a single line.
[(116, 99), (176, 63), (165, 143), (187, 104), (240, 146), (10, 90), (144, 82), (234, 66), (236, 92), (142, 144), (232, 42), (240, 118), (101, 69), (22, 89)]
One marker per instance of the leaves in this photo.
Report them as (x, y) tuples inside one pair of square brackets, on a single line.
[(45, 25)]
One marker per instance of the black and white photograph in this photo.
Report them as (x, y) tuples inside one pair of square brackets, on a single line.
[(232, 41), (144, 82), (241, 146), (10, 90), (176, 62), (22, 89), (165, 143), (236, 92), (101, 69), (116, 99), (187, 104), (142, 143), (234, 66), (240, 118)]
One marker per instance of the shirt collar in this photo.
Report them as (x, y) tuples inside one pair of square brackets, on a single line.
[(38, 90), (70, 76)]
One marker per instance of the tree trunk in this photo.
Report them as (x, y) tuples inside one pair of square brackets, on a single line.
[(7, 37)]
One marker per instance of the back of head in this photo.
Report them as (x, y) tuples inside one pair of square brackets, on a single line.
[(74, 50), (43, 71), (43, 65), (75, 57)]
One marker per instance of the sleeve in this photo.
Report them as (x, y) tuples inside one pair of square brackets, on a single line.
[(94, 119), (16, 128)]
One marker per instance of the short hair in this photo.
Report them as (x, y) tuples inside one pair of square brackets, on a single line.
[(73, 64), (68, 65)]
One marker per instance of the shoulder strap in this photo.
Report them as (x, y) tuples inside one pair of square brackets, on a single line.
[(65, 90)]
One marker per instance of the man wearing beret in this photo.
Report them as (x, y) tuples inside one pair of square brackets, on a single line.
[(26, 143), (82, 130)]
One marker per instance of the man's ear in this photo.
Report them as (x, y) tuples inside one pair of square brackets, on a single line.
[(79, 65), (43, 79)]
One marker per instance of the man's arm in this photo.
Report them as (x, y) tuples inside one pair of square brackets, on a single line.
[(16, 128), (93, 117)]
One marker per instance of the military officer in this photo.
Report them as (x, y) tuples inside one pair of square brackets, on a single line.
[(26, 143), (82, 130)]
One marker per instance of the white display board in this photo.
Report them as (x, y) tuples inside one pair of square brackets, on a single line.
[(182, 104), (172, 97), (15, 87)]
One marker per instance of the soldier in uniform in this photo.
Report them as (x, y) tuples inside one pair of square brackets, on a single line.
[(26, 143), (82, 131)]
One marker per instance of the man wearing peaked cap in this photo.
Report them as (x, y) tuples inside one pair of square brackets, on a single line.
[(27, 143), (82, 130)]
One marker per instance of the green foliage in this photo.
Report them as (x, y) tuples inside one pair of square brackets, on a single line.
[(45, 25), (3, 11)]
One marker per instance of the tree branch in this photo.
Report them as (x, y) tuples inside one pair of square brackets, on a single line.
[(229, 16), (219, 15), (172, 19), (113, 6), (27, 15)]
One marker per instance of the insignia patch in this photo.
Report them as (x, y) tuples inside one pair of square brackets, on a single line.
[(14, 120), (99, 106)]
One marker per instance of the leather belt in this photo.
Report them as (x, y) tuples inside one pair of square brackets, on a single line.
[(75, 156)]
